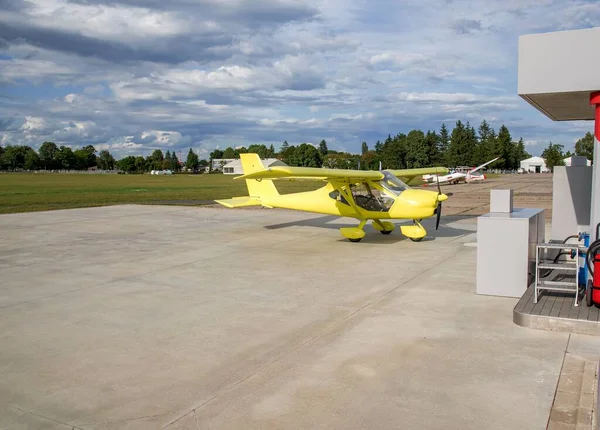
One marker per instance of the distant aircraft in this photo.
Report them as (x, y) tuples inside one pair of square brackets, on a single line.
[(161, 172), (456, 177), (360, 194)]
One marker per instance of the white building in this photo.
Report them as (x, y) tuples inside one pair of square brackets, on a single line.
[(534, 165), (235, 167), (218, 164)]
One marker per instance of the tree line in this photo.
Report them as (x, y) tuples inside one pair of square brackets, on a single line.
[(52, 157), (463, 146)]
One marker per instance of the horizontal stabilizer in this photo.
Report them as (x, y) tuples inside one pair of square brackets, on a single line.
[(240, 202)]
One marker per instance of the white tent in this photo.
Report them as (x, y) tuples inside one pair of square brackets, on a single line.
[(534, 165), (577, 161)]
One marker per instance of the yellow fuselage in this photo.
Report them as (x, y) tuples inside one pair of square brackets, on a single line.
[(410, 204)]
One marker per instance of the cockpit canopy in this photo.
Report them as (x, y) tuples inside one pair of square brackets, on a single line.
[(392, 184), (374, 199)]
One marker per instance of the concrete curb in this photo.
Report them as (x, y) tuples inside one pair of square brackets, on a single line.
[(544, 322)]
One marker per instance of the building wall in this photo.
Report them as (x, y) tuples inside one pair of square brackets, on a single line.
[(233, 170), (530, 165)]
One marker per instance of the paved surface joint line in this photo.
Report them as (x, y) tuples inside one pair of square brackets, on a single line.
[(312, 339), (44, 417)]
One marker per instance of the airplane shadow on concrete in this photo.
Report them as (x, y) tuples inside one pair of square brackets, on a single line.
[(329, 222)]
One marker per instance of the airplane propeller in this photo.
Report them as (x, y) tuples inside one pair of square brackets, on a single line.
[(439, 208)]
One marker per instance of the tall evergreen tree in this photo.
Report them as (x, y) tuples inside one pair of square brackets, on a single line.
[(364, 148), (460, 148), (487, 143), (472, 144), (519, 153), (174, 162), (504, 145), (192, 161), (444, 144), (417, 152), (378, 147), (323, 148), (433, 152), (167, 162)]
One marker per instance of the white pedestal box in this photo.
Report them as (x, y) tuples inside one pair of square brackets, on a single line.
[(501, 201), (506, 246)]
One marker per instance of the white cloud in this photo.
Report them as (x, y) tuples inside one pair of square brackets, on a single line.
[(161, 138), (121, 144), (439, 97), (235, 72), (32, 70), (110, 22), (33, 124)]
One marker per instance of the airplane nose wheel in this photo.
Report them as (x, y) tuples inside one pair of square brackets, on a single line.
[(417, 239)]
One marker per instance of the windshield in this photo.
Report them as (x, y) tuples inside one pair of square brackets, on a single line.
[(392, 183)]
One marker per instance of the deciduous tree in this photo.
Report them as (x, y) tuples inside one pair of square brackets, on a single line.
[(47, 154), (553, 156), (306, 155), (585, 146), (106, 160), (65, 158)]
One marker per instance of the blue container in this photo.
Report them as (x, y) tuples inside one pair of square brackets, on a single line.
[(583, 271)]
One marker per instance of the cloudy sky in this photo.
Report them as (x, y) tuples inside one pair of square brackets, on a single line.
[(136, 75)]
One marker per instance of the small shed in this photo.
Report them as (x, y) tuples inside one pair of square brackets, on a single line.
[(235, 167), (534, 165)]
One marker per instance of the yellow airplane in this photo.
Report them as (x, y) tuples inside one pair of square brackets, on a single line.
[(360, 194)]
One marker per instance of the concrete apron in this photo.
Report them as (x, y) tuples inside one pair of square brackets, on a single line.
[(133, 317)]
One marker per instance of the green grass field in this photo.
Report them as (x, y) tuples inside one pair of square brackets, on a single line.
[(28, 192)]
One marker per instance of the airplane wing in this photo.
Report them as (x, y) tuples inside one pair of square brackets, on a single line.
[(408, 175), (483, 165), (314, 173)]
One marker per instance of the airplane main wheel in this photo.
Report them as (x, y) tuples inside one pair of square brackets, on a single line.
[(386, 231), (355, 240), (416, 239)]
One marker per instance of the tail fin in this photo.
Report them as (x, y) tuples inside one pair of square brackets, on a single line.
[(257, 187)]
